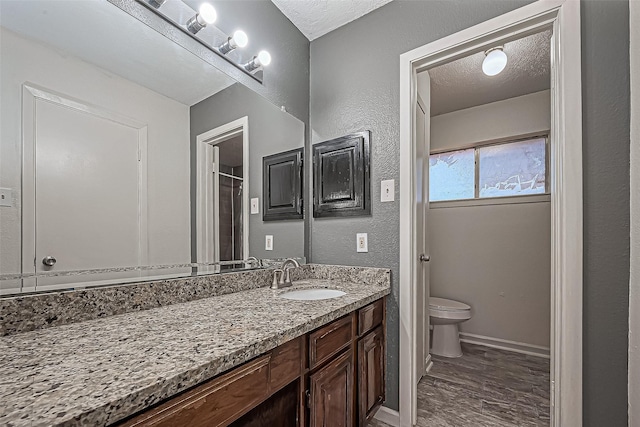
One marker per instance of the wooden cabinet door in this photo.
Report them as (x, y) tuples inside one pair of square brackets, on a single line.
[(371, 374), (332, 393)]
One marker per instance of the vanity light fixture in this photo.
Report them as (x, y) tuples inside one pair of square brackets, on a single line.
[(206, 15), (217, 41), (239, 39), (263, 59), (495, 61)]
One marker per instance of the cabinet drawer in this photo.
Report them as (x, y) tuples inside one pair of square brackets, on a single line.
[(286, 363), (214, 403), (370, 316), (329, 340)]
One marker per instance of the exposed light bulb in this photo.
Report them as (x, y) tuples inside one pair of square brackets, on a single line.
[(494, 62), (206, 15), (240, 38), (264, 58)]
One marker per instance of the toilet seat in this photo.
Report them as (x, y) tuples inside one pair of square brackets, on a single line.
[(443, 304)]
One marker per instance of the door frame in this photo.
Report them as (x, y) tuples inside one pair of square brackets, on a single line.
[(205, 245), (566, 192), (424, 364), (31, 93), (634, 282)]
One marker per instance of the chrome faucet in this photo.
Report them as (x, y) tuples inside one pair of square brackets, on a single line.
[(253, 260), (286, 278)]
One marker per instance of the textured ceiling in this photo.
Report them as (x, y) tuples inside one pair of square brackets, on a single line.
[(315, 18), (462, 84)]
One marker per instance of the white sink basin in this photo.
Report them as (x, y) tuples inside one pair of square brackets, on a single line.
[(312, 294)]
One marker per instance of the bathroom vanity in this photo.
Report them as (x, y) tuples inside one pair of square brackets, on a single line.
[(232, 352), (332, 376)]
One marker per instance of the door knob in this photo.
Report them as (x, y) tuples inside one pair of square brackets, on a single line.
[(49, 261), (424, 258)]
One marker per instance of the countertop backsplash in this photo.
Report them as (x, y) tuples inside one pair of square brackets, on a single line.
[(32, 312)]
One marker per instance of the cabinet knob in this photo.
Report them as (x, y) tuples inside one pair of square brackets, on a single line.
[(49, 261)]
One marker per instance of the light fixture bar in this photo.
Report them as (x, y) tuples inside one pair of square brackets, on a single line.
[(157, 3), (220, 43)]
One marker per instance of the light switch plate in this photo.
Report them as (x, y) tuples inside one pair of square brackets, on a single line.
[(5, 197), (387, 190), (268, 243), (362, 245), (255, 206)]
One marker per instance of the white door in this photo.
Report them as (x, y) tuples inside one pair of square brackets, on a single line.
[(422, 249), (87, 179)]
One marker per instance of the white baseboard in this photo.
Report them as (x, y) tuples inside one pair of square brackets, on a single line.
[(428, 363), (388, 416), (515, 346)]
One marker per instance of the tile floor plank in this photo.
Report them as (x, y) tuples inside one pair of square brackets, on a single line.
[(486, 387)]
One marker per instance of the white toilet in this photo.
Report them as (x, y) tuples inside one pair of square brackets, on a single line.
[(445, 315)]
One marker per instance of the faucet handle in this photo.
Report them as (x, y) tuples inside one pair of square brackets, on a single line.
[(276, 272), (287, 272)]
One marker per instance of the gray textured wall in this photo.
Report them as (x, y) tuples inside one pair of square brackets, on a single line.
[(286, 79), (355, 83), (271, 131), (355, 86), (605, 91)]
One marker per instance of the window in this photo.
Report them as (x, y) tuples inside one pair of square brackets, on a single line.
[(452, 175), (508, 169)]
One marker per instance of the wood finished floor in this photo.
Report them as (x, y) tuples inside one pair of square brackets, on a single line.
[(484, 387)]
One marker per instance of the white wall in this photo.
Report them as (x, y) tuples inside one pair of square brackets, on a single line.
[(634, 285), (496, 258), (168, 141), (516, 116)]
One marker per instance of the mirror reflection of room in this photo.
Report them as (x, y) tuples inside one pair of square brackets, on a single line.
[(107, 191)]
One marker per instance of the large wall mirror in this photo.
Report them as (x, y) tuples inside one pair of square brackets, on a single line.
[(125, 156)]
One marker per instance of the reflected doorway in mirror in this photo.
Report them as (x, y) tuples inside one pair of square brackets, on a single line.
[(222, 202)]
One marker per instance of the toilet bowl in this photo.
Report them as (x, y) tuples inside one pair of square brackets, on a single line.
[(445, 316)]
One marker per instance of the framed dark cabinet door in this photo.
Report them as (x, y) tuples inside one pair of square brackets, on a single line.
[(371, 374), (282, 186), (332, 392), (341, 184)]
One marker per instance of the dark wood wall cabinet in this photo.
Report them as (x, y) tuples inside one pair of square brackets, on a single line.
[(341, 184), (333, 376), (282, 186)]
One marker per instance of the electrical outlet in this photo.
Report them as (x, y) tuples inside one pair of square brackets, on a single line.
[(361, 242), (387, 190), (268, 243), (255, 206), (5, 197)]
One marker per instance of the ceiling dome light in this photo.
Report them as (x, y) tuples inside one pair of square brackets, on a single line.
[(239, 39), (206, 15), (494, 62)]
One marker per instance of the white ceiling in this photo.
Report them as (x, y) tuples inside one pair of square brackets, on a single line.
[(462, 84), (315, 18), (102, 34)]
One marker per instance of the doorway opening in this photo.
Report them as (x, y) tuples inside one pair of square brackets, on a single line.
[(222, 205), (565, 193), (486, 225)]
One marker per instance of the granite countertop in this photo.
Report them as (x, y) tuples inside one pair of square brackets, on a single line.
[(100, 371)]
